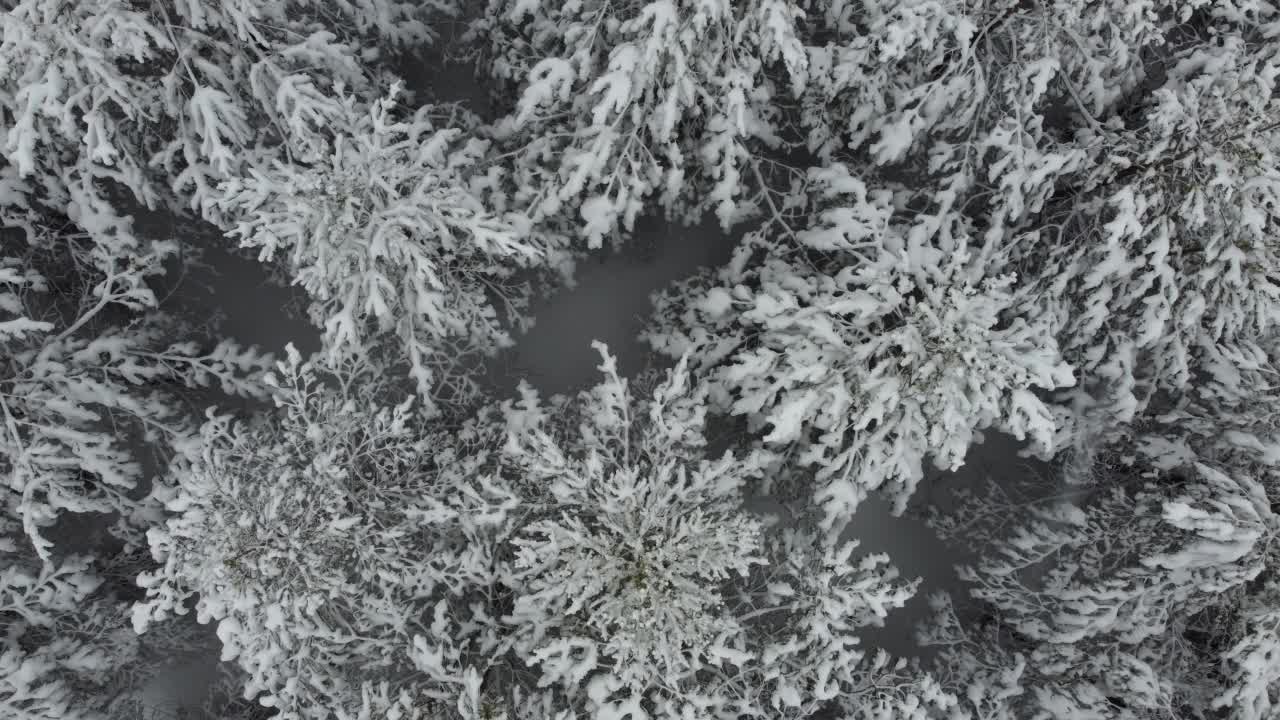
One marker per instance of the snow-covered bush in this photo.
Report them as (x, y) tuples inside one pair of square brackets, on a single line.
[(388, 233), (863, 350)]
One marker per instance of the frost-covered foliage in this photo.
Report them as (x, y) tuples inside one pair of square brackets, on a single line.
[(93, 388), (49, 636), (1098, 178), (596, 561), (320, 539), (162, 101), (862, 349), (647, 588), (1251, 686), (1141, 598), (1172, 252), (388, 233), (91, 376), (68, 652), (619, 102), (1054, 220)]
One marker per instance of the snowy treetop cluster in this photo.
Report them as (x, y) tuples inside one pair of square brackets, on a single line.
[(1056, 220)]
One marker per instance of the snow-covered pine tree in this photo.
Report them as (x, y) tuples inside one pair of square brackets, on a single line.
[(93, 394), (641, 585), (155, 104), (92, 378), (860, 346), (1146, 593), (52, 643), (618, 108), (390, 234), (1044, 152), (68, 651), (1163, 256), (322, 538), (113, 106), (116, 106)]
